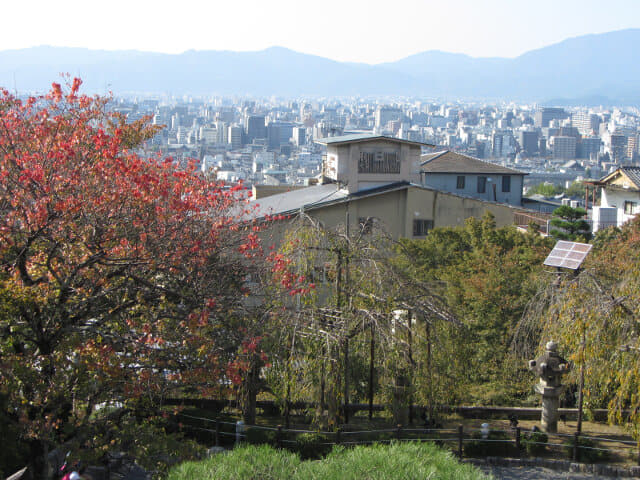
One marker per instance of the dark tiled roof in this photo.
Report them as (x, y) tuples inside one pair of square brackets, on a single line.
[(633, 173), (452, 162)]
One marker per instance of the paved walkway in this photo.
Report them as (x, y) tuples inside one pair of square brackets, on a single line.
[(535, 473)]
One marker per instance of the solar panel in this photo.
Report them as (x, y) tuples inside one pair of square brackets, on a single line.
[(568, 255)]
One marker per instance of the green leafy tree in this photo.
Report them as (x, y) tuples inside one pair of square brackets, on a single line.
[(545, 189), (487, 276), (570, 224)]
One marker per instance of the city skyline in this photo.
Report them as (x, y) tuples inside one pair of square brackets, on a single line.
[(357, 31)]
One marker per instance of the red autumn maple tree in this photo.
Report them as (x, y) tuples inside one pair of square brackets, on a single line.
[(122, 276)]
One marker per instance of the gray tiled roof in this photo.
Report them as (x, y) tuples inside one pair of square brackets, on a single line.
[(364, 137), (452, 162), (311, 197), (633, 173), (295, 199)]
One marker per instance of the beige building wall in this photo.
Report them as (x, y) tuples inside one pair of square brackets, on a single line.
[(396, 210)]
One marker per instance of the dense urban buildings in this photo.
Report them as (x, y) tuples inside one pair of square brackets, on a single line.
[(273, 141)]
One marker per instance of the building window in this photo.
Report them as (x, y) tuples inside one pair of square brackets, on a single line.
[(630, 207), (460, 182), (506, 183), (422, 227), (482, 184), (379, 162), (366, 224)]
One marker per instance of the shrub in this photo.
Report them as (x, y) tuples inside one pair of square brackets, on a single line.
[(259, 436), (378, 462), (586, 452), (497, 444), (535, 443), (312, 445)]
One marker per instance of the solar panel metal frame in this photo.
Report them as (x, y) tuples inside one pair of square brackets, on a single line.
[(568, 255)]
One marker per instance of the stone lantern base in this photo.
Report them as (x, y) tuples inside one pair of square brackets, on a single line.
[(550, 405)]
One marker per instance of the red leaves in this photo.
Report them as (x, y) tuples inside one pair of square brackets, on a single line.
[(56, 92), (135, 249)]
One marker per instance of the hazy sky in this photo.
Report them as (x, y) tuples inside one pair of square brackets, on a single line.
[(370, 31)]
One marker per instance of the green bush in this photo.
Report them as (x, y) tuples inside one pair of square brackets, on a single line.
[(312, 445), (497, 444), (535, 443), (259, 436), (398, 461), (586, 454)]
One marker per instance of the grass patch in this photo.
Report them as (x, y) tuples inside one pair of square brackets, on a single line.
[(404, 461)]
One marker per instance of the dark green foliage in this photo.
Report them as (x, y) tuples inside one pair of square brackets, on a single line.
[(586, 452), (258, 436), (532, 443), (487, 275), (13, 454), (313, 445), (497, 444), (570, 224)]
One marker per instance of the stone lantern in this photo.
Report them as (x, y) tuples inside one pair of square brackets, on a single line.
[(550, 367)]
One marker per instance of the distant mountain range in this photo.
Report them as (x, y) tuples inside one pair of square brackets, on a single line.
[(600, 69)]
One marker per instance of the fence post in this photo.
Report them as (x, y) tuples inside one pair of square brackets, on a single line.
[(576, 438), (338, 434), (460, 437), (217, 432), (639, 455), (518, 439), (398, 431), (279, 436)]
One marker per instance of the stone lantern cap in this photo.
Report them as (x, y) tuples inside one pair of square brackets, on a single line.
[(550, 366)]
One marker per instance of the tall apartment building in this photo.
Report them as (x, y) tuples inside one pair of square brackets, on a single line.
[(632, 146), (502, 143), (235, 136), (544, 116), (618, 149), (223, 132), (386, 114), (564, 147), (299, 135), (528, 141), (255, 127), (589, 147), (209, 135), (586, 123)]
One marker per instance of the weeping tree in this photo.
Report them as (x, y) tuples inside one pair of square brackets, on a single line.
[(594, 316), (356, 329)]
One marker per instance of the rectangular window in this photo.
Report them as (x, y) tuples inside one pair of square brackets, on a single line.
[(422, 227), (506, 183), (630, 207), (482, 184), (379, 162), (460, 182)]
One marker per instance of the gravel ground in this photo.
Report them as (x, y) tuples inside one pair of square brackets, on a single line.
[(534, 473)]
